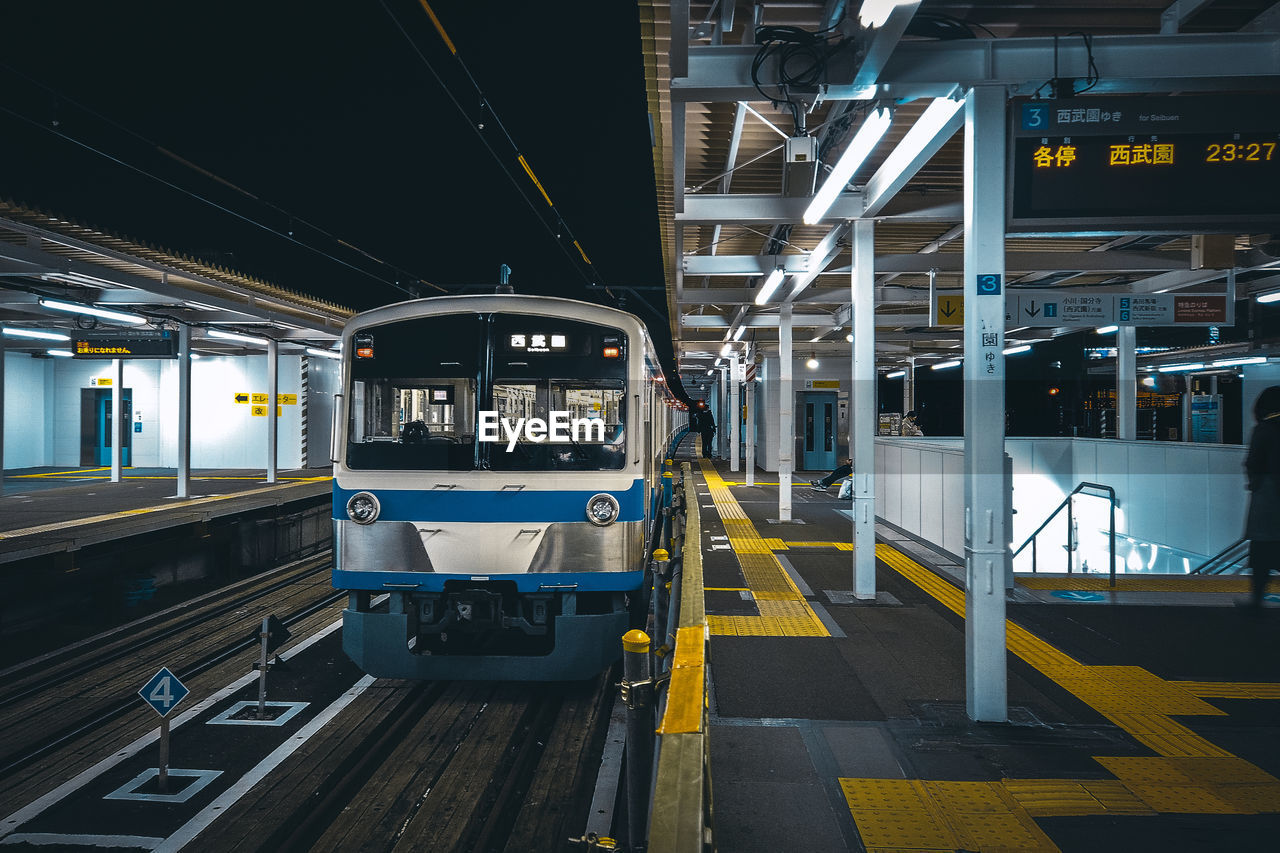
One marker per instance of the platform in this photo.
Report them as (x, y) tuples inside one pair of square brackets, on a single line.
[(51, 510), (839, 724)]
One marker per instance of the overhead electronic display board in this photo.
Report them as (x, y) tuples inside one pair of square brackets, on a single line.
[(1205, 164)]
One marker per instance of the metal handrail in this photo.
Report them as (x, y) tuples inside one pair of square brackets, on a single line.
[(1208, 567), (1070, 546)]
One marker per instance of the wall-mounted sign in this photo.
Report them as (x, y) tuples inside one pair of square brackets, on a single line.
[(1054, 308), (258, 411), (287, 399), (1104, 163), (161, 345), (537, 342)]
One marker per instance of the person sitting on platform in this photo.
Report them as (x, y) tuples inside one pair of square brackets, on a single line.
[(839, 474), (909, 425)]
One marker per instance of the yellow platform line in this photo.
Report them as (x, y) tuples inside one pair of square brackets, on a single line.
[(782, 607), (1137, 583), (1189, 774)]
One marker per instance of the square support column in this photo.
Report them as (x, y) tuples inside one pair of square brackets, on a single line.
[(985, 496), (786, 411), (184, 411), (117, 413), (749, 427), (862, 410), (273, 424), (733, 411), (1127, 383)]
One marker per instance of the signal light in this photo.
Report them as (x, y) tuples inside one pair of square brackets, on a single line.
[(612, 352), (1054, 391)]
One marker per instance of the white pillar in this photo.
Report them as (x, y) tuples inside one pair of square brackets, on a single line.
[(1, 414), (986, 541), (721, 440), (734, 412), (749, 427), (1126, 383), (786, 408), (862, 409), (117, 412), (273, 386), (909, 387), (184, 411)]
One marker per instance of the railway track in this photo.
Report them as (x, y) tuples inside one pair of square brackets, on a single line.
[(441, 766), (49, 705)]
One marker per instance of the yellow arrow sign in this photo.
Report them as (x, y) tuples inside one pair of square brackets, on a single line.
[(950, 311)]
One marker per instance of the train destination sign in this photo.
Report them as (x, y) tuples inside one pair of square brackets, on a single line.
[(1101, 163), (163, 345), (1053, 308)]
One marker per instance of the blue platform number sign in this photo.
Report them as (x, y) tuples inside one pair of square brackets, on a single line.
[(163, 692), (1035, 116), (989, 284)]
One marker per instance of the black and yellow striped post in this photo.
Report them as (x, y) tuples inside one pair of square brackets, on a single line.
[(637, 696)]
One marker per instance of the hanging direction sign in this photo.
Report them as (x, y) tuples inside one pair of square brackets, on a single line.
[(1054, 308)]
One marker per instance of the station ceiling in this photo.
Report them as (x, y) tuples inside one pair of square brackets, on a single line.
[(719, 158)]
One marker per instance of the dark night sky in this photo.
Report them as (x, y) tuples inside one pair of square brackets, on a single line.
[(325, 111)]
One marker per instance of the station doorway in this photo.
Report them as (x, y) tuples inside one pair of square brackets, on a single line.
[(818, 418), (96, 427)]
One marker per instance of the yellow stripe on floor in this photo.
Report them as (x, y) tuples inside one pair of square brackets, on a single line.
[(783, 609), (1188, 775)]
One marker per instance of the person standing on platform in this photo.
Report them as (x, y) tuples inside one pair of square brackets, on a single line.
[(702, 422), (1262, 467), (909, 425)]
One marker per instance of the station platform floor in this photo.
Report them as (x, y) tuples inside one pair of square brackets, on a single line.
[(838, 724), (46, 510)]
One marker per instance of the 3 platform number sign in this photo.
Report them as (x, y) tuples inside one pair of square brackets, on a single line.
[(163, 692), (989, 284)]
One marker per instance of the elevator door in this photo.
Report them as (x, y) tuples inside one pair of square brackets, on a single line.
[(95, 427), (819, 424)]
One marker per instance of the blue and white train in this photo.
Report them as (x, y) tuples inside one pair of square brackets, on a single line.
[(496, 458)]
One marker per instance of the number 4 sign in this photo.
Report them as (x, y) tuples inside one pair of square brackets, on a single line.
[(163, 692)]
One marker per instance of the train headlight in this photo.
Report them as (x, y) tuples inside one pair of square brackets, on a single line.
[(602, 509), (363, 508)]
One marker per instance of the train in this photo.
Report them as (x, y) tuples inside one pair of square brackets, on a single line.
[(497, 468)]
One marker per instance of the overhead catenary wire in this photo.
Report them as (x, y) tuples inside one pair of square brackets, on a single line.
[(550, 216), (56, 128)]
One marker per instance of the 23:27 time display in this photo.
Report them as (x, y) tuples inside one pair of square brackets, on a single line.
[(1236, 152)]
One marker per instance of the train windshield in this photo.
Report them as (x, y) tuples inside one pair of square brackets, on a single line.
[(413, 394), (508, 392)]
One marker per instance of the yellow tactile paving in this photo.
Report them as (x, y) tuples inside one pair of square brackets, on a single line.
[(1070, 797), (1230, 690), (1137, 583), (783, 609)]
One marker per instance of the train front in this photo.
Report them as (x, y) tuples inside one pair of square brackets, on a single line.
[(490, 483)]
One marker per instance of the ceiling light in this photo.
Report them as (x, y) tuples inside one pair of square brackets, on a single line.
[(862, 144), (737, 335), (60, 353), (33, 333), (77, 308), (1273, 296), (1017, 349), (812, 363), (849, 337), (726, 351), (1106, 330), (874, 13), (770, 285), (897, 374), (1149, 381), (943, 365), (235, 336), (323, 353), (1174, 368), (1233, 362), (916, 140)]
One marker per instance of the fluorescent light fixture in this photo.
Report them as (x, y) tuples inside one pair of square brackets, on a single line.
[(943, 365), (196, 355), (1273, 296), (726, 351), (60, 353), (1149, 381), (33, 333), (1017, 349), (323, 353), (897, 374), (874, 13), (863, 143), (1106, 330), (1175, 368), (770, 285), (737, 335), (77, 308), (930, 124), (235, 336), (1233, 362), (710, 372)]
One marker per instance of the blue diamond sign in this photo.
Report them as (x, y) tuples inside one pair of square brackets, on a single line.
[(163, 692)]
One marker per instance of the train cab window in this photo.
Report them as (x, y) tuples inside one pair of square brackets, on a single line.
[(591, 432), (413, 395)]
